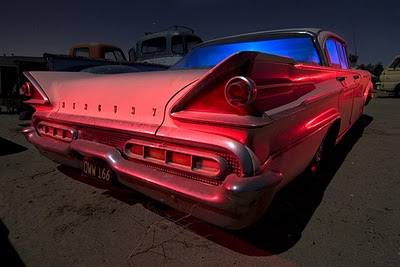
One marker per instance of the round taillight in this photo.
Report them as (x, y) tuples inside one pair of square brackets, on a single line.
[(240, 91), (27, 89)]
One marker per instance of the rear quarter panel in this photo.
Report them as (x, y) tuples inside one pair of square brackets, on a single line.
[(292, 132)]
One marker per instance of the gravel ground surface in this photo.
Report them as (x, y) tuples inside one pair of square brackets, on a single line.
[(348, 216)]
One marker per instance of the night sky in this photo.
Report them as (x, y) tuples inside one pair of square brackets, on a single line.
[(31, 28)]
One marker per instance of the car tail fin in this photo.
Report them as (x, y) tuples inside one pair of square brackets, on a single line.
[(247, 83), (35, 95)]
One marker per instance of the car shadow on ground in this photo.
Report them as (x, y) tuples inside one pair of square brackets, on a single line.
[(281, 226), (8, 255), (283, 223), (8, 147)]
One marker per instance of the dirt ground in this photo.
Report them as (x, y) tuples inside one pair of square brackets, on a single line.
[(349, 216)]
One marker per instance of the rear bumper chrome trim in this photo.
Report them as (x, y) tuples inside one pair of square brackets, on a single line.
[(236, 203)]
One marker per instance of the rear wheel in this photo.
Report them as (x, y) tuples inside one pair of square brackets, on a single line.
[(397, 91), (316, 161), (369, 97), (319, 161), (324, 152)]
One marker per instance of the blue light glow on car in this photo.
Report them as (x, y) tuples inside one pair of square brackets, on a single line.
[(300, 49)]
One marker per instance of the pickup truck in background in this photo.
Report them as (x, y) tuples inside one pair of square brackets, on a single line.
[(390, 77), (154, 51), (98, 51), (164, 47)]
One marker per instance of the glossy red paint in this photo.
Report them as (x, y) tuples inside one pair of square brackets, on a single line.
[(217, 143)]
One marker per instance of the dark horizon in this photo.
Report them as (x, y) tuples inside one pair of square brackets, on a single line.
[(31, 29)]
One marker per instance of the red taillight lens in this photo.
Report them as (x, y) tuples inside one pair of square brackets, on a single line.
[(36, 97), (186, 160), (136, 149), (59, 132), (180, 159), (240, 91), (27, 89), (206, 165), (155, 153)]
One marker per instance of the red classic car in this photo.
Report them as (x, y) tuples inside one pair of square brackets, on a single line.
[(217, 134)]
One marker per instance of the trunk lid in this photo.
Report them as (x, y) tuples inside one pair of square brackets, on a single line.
[(139, 98)]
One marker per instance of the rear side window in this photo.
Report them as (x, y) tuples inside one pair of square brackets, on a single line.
[(81, 52), (154, 45), (336, 53)]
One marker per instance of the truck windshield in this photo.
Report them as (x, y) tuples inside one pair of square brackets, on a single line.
[(300, 49)]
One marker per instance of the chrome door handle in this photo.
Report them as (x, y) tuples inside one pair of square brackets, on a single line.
[(340, 78)]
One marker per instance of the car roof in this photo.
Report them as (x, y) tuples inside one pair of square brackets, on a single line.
[(84, 45), (313, 32), (174, 30)]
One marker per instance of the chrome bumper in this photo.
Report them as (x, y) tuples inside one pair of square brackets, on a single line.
[(236, 203)]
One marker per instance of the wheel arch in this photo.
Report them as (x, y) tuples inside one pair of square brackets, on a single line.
[(325, 150), (334, 129), (396, 89)]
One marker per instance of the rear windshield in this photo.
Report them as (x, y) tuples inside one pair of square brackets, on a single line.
[(300, 49)]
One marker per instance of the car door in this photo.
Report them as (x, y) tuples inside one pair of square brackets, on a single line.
[(349, 82), (346, 97), (358, 94)]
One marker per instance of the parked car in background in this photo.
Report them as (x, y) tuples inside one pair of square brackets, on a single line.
[(216, 135), (390, 77)]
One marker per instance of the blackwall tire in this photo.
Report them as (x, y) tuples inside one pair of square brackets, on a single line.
[(324, 153)]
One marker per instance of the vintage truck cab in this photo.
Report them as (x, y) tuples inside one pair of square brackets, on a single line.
[(164, 47), (98, 51)]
